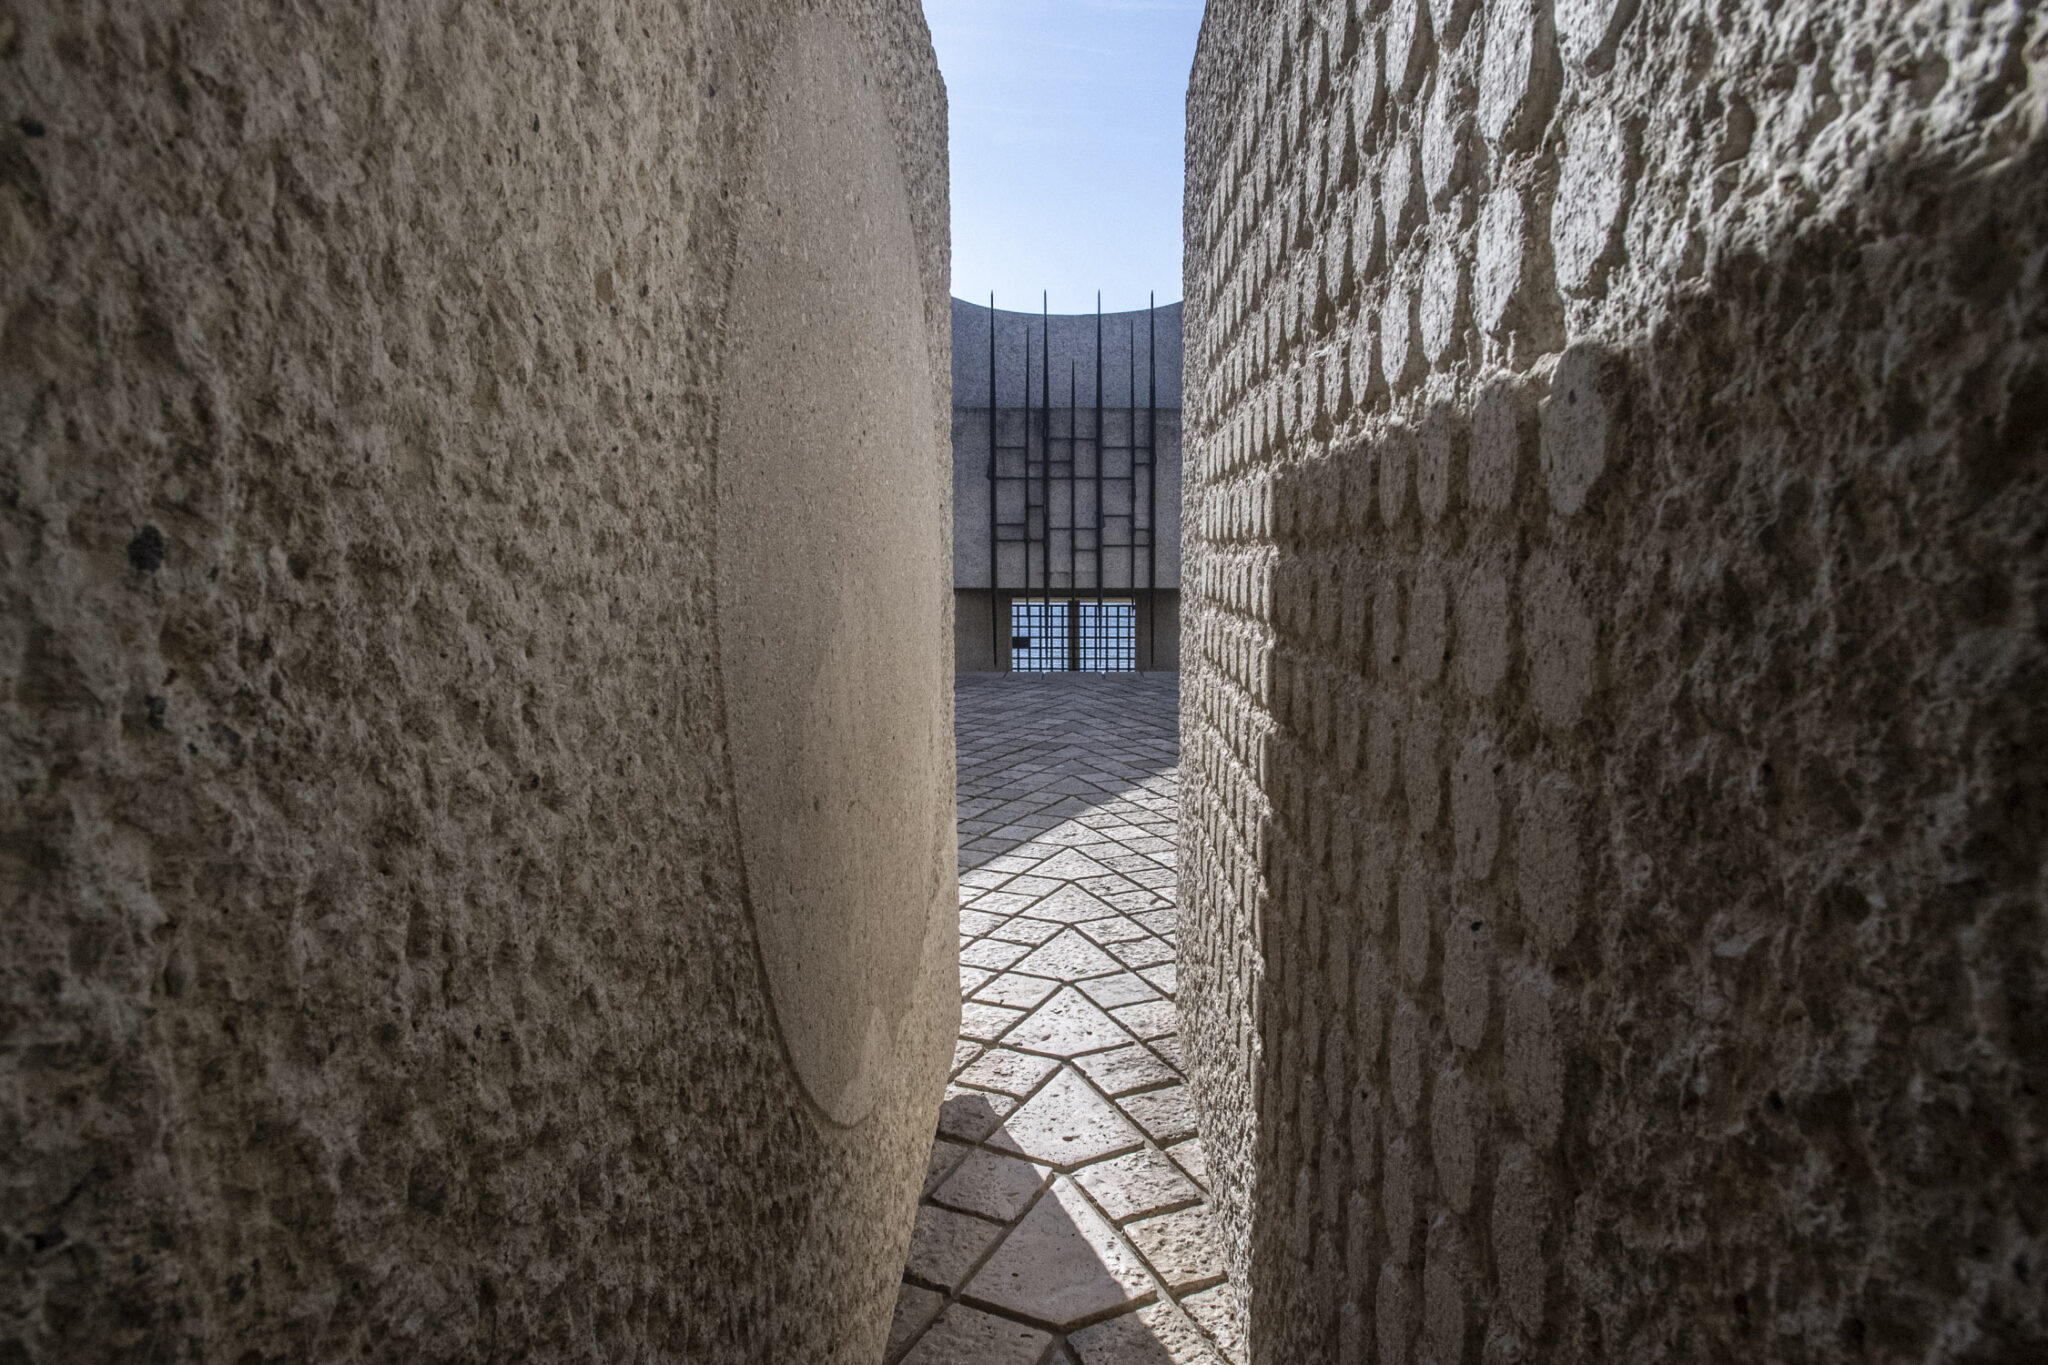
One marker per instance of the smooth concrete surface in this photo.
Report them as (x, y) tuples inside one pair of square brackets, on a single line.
[(833, 599), (1141, 356)]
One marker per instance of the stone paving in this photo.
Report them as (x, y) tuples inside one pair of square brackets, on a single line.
[(1064, 1219)]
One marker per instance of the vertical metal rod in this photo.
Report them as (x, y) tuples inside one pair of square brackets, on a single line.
[(1152, 475), (1045, 465), (1099, 556), (1073, 499), (995, 645), (1025, 532)]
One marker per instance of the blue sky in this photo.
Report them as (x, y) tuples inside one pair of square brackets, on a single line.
[(1067, 120)]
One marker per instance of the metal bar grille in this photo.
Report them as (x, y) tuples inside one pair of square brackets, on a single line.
[(1108, 637), (1039, 632), (1067, 635), (1069, 510)]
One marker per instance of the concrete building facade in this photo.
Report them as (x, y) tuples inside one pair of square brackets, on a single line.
[(1047, 393), (1612, 845), (468, 895)]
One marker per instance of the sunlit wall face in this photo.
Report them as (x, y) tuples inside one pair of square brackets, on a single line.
[(1067, 120)]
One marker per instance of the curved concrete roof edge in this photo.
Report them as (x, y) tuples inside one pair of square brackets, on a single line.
[(1125, 337)]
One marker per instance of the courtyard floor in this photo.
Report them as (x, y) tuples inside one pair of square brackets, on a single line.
[(1064, 1218)]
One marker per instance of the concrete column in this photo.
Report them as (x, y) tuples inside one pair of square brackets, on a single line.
[(478, 853)]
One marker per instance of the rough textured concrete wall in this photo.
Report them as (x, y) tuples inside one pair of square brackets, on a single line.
[(1613, 750), (378, 969)]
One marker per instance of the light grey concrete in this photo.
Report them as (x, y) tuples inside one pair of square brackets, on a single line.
[(1072, 338), (833, 603)]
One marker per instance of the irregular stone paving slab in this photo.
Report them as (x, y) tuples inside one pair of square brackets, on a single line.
[(986, 1023), (1069, 957), (1062, 1265), (1117, 930), (1026, 931), (1072, 786), (1125, 988), (1070, 834), (1066, 1026), (1014, 988), (1124, 1070), (1153, 1335), (944, 1246), (1215, 1312), (1166, 1115), (1142, 952), (1165, 977), (1070, 865), (1063, 785), (915, 1308), (967, 1336), (992, 1185), (1001, 902), (1013, 1073), (1070, 905), (945, 1156), (1135, 898), (1188, 1155), (972, 1115), (1066, 1124), (1181, 1247), (992, 954), (974, 923), (1137, 1185), (1155, 1019)]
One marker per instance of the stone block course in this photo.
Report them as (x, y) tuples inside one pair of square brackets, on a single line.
[(1612, 624)]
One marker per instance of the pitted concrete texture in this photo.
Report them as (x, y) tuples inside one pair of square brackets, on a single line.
[(378, 971), (1065, 1217), (1615, 524)]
